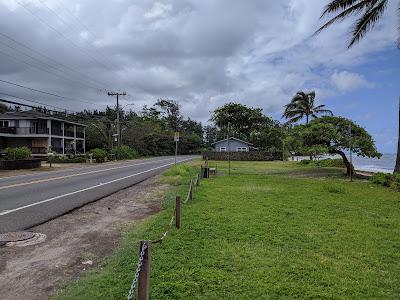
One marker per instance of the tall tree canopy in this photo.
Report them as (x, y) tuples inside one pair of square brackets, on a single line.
[(303, 105), (243, 120)]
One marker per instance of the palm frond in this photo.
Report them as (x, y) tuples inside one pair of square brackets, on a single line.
[(367, 21), (348, 11), (336, 5)]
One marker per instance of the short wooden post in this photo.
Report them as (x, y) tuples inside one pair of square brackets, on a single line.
[(178, 212), (143, 289), (191, 190), (198, 180)]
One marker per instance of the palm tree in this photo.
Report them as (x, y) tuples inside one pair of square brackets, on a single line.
[(302, 105), (370, 11)]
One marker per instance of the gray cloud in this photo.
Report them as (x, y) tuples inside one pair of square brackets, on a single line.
[(201, 53)]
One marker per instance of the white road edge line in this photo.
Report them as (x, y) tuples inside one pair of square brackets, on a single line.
[(2, 187), (6, 212), (146, 161)]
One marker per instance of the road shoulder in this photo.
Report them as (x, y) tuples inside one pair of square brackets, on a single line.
[(76, 242)]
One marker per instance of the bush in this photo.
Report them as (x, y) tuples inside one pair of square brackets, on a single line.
[(125, 152), (324, 163), (61, 159), (382, 179), (19, 153), (99, 155), (395, 184)]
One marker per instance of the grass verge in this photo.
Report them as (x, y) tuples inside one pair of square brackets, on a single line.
[(271, 230)]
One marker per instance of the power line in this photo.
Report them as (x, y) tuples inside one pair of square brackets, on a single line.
[(86, 28), (46, 93), (37, 102), (47, 57), (47, 71), (59, 33), (70, 27)]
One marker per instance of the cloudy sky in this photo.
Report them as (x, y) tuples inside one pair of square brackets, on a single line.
[(201, 53)]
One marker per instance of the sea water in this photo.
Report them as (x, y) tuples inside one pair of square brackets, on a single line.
[(384, 164)]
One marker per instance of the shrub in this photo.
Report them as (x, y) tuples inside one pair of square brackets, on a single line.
[(125, 152), (324, 163), (99, 155), (395, 182), (382, 179), (60, 159), (18, 153)]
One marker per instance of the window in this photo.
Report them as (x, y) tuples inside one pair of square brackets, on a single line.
[(241, 149), (222, 149), (3, 123)]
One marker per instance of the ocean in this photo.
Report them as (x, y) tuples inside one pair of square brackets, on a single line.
[(385, 164)]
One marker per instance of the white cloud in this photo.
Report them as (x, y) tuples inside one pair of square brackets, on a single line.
[(202, 53), (347, 81)]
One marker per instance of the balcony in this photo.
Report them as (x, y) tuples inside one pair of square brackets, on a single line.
[(9, 130), (57, 131)]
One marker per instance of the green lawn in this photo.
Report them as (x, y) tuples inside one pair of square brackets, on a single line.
[(271, 230)]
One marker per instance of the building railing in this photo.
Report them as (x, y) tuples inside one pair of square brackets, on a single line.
[(56, 131), (10, 130), (24, 130), (69, 133)]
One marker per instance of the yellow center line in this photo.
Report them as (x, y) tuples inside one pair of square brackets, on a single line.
[(73, 175)]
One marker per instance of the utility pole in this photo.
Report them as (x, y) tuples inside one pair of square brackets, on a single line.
[(118, 122), (229, 155), (351, 155)]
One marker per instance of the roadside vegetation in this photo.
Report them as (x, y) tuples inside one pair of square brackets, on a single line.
[(270, 230)]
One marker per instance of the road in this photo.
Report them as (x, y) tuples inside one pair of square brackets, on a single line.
[(28, 200)]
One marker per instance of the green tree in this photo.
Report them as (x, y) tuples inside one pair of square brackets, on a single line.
[(243, 120), (303, 105), (331, 135)]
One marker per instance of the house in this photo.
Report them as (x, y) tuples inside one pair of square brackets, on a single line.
[(235, 145), (39, 131)]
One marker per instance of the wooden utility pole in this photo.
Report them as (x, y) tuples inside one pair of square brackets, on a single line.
[(397, 166), (118, 122), (229, 151)]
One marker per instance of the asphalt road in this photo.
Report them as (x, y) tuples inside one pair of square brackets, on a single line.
[(28, 200)]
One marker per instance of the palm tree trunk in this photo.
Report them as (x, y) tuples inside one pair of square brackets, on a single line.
[(397, 167)]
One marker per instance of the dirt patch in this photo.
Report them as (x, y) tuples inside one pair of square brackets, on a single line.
[(76, 242)]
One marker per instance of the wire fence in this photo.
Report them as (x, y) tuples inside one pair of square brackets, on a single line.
[(140, 286)]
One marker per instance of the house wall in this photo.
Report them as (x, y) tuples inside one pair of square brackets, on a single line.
[(233, 144)]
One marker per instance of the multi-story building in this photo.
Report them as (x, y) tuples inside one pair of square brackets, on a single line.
[(39, 132)]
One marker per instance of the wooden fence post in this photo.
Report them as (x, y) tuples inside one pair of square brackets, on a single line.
[(191, 190), (178, 212), (198, 180), (143, 289)]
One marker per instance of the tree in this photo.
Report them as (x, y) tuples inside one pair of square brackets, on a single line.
[(243, 120), (331, 135), (303, 104), (370, 12)]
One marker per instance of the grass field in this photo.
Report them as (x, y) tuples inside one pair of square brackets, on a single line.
[(269, 231)]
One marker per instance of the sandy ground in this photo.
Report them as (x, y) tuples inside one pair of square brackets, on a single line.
[(87, 234)]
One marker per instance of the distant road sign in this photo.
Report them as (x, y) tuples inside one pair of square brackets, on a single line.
[(176, 137)]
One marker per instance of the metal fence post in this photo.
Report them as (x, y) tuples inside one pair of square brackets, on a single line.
[(178, 212), (143, 290)]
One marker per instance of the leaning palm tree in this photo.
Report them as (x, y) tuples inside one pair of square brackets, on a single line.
[(370, 12), (303, 105)]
